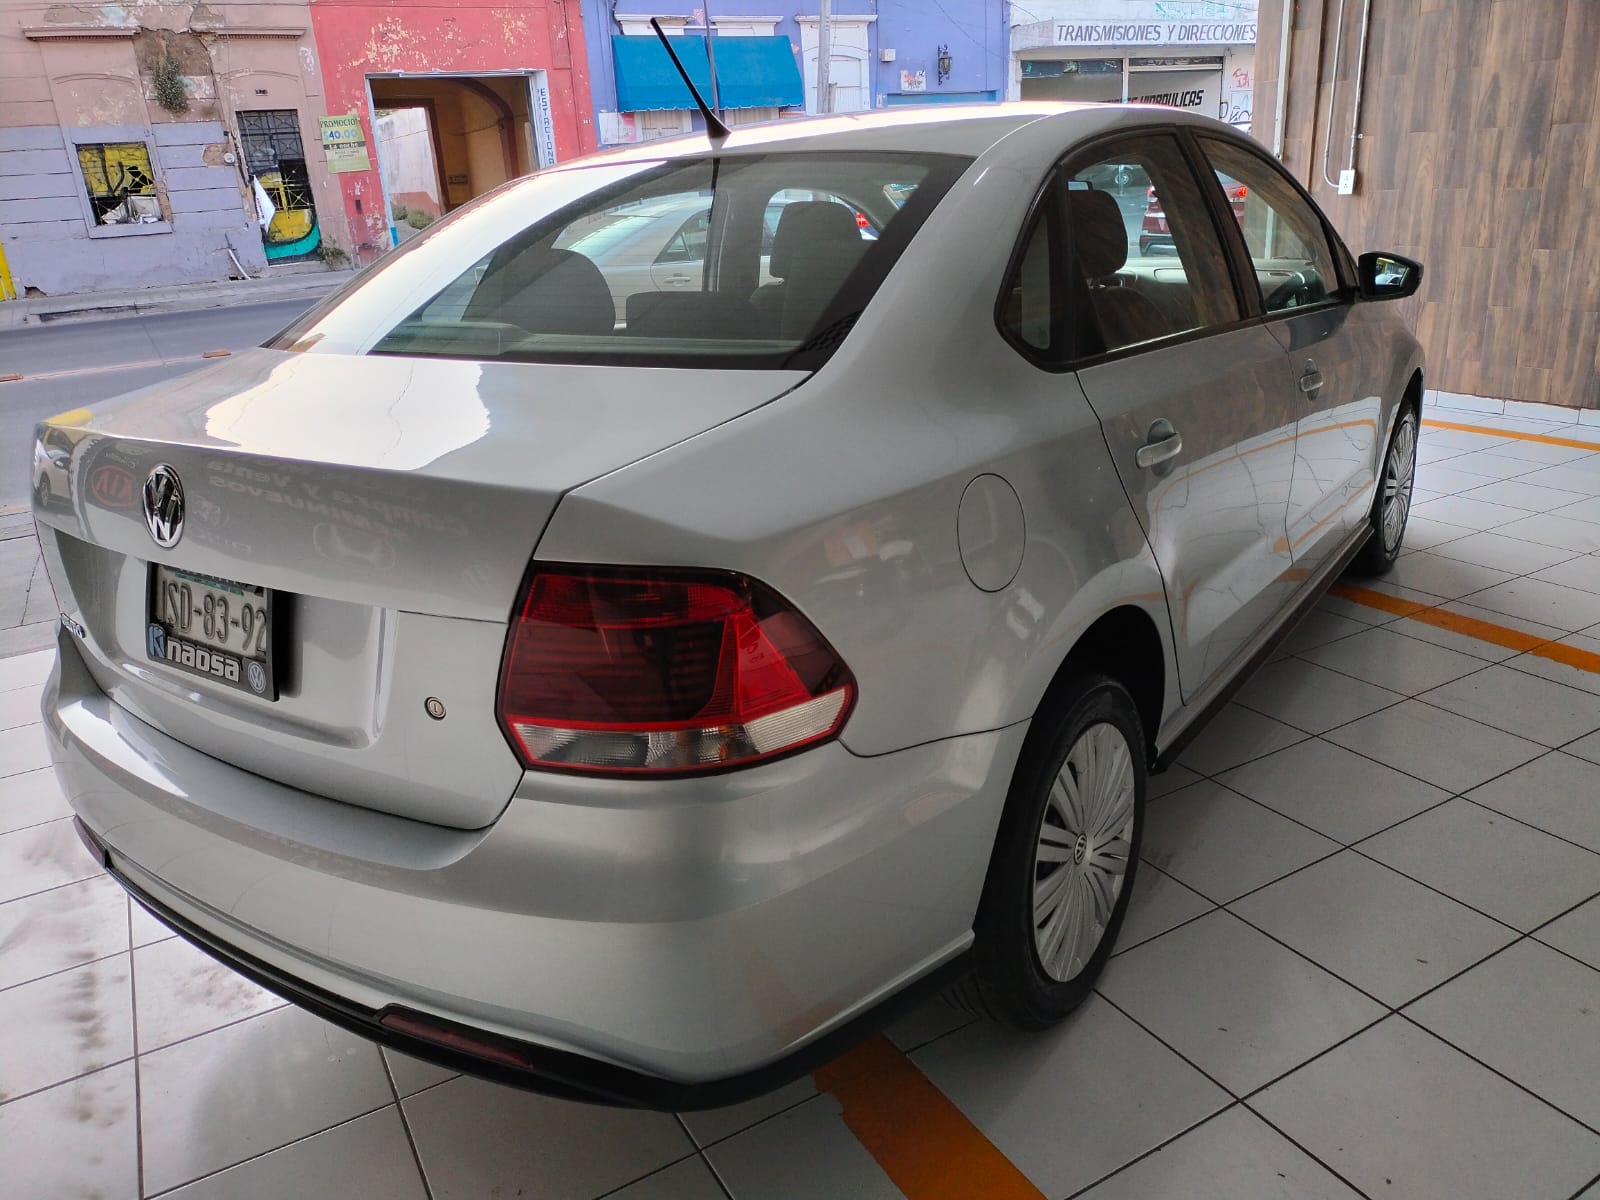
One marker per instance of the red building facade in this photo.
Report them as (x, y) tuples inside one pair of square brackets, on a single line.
[(450, 101)]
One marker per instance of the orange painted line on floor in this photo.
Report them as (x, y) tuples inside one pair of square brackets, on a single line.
[(1544, 439), (1484, 631), (924, 1143)]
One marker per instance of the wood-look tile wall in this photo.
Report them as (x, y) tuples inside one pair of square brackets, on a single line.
[(1479, 154)]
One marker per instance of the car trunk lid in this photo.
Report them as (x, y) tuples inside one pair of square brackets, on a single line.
[(391, 505)]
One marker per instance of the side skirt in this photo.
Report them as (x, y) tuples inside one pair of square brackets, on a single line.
[(1204, 710)]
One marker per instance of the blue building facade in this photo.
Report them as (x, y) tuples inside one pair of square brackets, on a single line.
[(884, 53)]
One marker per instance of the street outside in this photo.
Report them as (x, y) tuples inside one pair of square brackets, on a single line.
[(71, 364)]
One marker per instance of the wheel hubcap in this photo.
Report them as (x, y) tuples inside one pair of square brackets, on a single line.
[(1398, 470), (1081, 858)]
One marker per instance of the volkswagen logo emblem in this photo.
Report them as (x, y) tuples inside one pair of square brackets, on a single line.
[(163, 506)]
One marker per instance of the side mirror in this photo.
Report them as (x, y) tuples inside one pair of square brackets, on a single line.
[(1387, 276)]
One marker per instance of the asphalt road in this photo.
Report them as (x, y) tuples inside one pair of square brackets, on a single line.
[(69, 365)]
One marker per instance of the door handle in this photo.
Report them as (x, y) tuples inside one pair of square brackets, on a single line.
[(1311, 380), (1161, 443)]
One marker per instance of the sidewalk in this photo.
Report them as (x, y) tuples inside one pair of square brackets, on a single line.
[(228, 293)]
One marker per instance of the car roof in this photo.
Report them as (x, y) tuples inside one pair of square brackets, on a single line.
[(965, 129)]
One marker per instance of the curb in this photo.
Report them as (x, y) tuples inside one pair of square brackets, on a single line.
[(100, 306)]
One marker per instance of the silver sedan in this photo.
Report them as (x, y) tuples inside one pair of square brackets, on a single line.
[(632, 702)]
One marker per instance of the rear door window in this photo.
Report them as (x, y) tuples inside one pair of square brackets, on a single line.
[(1146, 257), (673, 265)]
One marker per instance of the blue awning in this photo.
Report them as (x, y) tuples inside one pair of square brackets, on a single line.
[(757, 72), (646, 78), (752, 72)]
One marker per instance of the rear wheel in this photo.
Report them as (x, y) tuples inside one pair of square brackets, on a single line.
[(1064, 859), (1391, 507)]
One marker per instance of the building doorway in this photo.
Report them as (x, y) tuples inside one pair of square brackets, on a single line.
[(275, 156), (442, 140)]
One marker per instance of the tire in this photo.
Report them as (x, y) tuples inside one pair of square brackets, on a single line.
[(1032, 973), (1391, 507), (42, 492)]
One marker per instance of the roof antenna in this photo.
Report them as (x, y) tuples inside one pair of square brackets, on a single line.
[(714, 126)]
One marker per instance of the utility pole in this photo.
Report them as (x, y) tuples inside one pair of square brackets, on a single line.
[(824, 52)]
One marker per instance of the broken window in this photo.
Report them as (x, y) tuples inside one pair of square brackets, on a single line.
[(120, 183)]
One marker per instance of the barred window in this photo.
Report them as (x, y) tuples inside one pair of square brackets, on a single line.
[(120, 183)]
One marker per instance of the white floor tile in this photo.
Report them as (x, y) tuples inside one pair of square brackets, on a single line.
[(24, 748), (1392, 938), (1492, 465), (1474, 514), (1170, 780), (802, 1154), (1577, 933), (1552, 1044), (1577, 457), (1426, 571), (180, 992), (1433, 454), (712, 1125), (1375, 1110), (1580, 475), (1551, 714), (1335, 791), (1158, 903), (1234, 1002), (1545, 667), (1587, 509), (1463, 439), (690, 1179), (1235, 1155), (78, 1139), (1318, 629), (41, 857), (1461, 643), (19, 706), (1556, 529), (146, 929), (240, 1091), (1449, 478), (1354, 611), (1423, 533), (1586, 748), (1392, 660), (26, 670), (1516, 874), (1236, 735), (1440, 747), (66, 927), (931, 1018), (411, 1075), (1514, 493), (1582, 573), (1558, 793), (1222, 845), (365, 1159), (1043, 1099), (1504, 552), (481, 1139), (1311, 697), (31, 799), (65, 1025)]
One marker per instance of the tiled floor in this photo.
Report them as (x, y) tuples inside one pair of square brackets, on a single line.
[(1363, 957)]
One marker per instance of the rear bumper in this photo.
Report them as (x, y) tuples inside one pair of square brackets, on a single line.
[(670, 945)]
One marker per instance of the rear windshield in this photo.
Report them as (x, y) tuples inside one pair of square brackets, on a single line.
[(736, 261)]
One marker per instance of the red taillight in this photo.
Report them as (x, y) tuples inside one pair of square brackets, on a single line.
[(655, 670)]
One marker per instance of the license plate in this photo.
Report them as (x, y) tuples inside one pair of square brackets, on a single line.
[(217, 628)]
